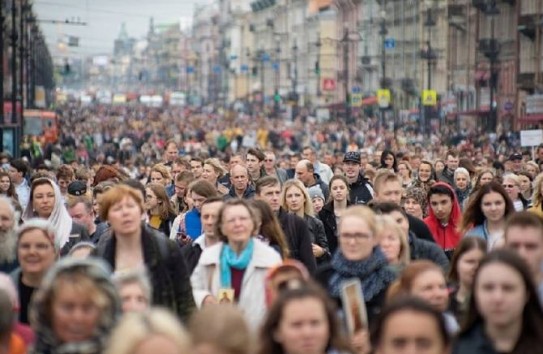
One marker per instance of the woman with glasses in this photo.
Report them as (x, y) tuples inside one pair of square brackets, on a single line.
[(486, 214), (358, 256), (234, 270), (511, 184)]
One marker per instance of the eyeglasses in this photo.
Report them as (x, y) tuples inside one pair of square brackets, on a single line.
[(509, 185)]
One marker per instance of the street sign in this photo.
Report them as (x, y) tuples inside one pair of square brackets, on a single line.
[(508, 106), (390, 43), (217, 69), (383, 98), (328, 84), (429, 97), (190, 69), (244, 68), (356, 89), (531, 137), (275, 66), (356, 100)]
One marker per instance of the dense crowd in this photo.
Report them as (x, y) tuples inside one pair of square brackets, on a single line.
[(211, 234)]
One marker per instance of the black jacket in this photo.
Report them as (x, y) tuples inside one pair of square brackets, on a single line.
[(166, 225), (78, 234), (446, 176), (191, 253), (361, 191), (298, 239), (248, 194), (423, 249), (328, 218), (318, 236), (419, 228), (474, 341), (324, 187), (170, 278)]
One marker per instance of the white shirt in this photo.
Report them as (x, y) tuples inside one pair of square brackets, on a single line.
[(23, 192)]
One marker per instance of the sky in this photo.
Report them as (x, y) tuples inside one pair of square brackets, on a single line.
[(104, 19)]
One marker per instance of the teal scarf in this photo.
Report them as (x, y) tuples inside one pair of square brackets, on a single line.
[(229, 258)]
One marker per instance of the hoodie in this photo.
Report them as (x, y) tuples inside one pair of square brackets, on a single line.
[(446, 236)]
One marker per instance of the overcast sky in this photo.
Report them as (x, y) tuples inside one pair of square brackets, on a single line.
[(104, 19)]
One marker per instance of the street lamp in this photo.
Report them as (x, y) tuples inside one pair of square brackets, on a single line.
[(491, 49), (430, 56), (295, 80), (383, 31), (277, 68), (318, 44)]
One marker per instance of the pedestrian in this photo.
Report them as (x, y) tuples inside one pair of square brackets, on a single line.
[(269, 229), (134, 289), (332, 210), (212, 172), (159, 209)]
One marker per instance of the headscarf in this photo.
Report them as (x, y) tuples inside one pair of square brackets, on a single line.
[(99, 273), (419, 195), (59, 218)]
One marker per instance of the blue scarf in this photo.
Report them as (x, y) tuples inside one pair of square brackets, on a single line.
[(229, 258), (373, 272)]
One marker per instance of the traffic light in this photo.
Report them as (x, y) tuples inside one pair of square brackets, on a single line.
[(317, 68)]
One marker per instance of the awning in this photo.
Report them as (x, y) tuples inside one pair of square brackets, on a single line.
[(532, 118), (369, 101), (473, 112)]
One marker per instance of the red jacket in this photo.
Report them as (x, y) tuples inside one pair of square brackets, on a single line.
[(447, 237)]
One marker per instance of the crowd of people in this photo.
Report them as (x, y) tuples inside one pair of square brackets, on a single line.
[(141, 232)]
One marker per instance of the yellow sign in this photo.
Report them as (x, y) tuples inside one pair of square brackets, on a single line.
[(383, 98), (356, 100), (429, 97)]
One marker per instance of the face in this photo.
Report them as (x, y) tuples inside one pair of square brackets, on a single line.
[(81, 215), (440, 166), (318, 203), (525, 183), (176, 169), (402, 221), (500, 294), (239, 178), (197, 200), (339, 190), (196, 168), (272, 196), (293, 161), (235, 160), (151, 200), (402, 169), (4, 184), (390, 191), (294, 199), (269, 161), (170, 153), (180, 189), (125, 216), (209, 216), (351, 169), (303, 328), (209, 174), (493, 206), (486, 177), (75, 316), (389, 161), (528, 243), (511, 187), (43, 200), (356, 239), (237, 224), (391, 245), (6, 218), (133, 298), (461, 181), (15, 175), (516, 165), (307, 154), (531, 170), (425, 172), (431, 287), (157, 344), (452, 163), (35, 252), (303, 174), (63, 185), (156, 177), (441, 205), (407, 332), (467, 266), (412, 207), (253, 164)]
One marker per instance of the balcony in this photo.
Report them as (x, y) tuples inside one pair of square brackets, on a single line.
[(526, 81), (457, 16), (527, 25)]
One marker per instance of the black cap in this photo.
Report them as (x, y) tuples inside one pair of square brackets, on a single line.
[(515, 156), (352, 156), (77, 188)]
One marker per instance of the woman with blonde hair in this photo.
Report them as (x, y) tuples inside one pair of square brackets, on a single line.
[(212, 172), (154, 331), (393, 243), (537, 197), (295, 199), (160, 174)]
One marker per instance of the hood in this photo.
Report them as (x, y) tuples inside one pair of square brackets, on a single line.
[(456, 212)]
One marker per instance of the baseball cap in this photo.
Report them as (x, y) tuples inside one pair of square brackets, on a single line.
[(515, 156), (77, 188), (352, 156)]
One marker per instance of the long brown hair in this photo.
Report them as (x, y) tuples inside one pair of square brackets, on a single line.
[(473, 215), (11, 189), (464, 246), (268, 344), (165, 208), (531, 335), (270, 227), (402, 286)]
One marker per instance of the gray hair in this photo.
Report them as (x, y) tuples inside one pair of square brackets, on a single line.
[(139, 276), (461, 170), (7, 201), (39, 224)]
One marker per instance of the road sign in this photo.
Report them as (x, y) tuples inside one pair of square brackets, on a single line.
[(356, 89), (390, 43), (531, 137), (217, 69), (275, 66), (356, 100), (383, 98), (508, 106), (429, 97), (328, 84), (244, 68)]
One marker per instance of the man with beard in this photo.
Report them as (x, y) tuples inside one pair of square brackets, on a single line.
[(8, 237)]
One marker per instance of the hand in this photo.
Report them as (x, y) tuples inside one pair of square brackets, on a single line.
[(209, 300), (360, 341), (317, 250)]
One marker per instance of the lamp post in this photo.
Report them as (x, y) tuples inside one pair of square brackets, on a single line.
[(13, 38), (295, 80), (277, 69), (430, 56), (345, 40), (318, 44), (2, 75), (492, 53), (383, 31)]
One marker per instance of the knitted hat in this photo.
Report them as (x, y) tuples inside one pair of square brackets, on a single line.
[(315, 192)]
